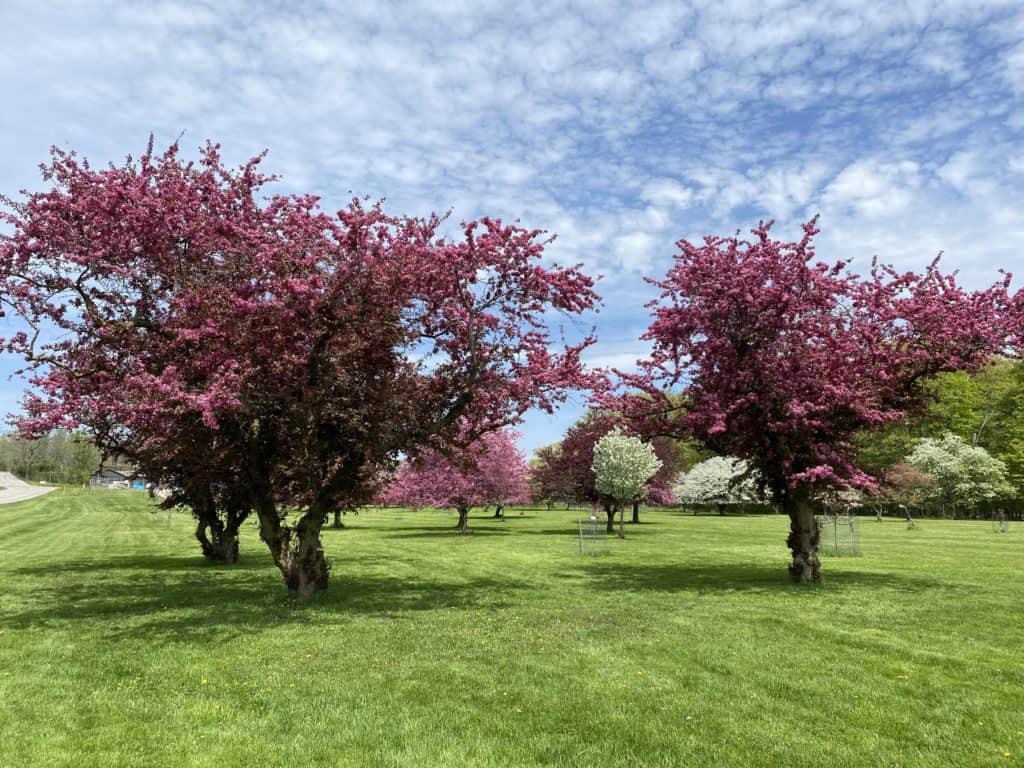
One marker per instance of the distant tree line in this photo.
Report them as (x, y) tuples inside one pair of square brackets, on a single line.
[(59, 457)]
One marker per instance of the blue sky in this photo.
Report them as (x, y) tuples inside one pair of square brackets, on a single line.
[(622, 128)]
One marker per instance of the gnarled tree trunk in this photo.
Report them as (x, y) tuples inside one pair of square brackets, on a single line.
[(499, 512), (803, 540), (297, 551), (463, 524), (337, 519), (219, 538)]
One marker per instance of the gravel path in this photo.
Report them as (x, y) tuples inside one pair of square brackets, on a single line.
[(18, 490)]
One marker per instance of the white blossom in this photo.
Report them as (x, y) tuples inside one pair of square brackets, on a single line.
[(622, 465), (964, 475), (718, 481)]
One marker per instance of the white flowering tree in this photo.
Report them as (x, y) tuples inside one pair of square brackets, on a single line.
[(964, 475), (622, 465), (719, 481)]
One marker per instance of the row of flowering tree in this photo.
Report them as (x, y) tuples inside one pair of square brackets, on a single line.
[(261, 357)]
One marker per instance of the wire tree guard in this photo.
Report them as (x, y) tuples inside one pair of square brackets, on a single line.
[(593, 536), (839, 534)]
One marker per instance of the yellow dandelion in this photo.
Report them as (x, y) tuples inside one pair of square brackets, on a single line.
[(519, 710), (204, 681)]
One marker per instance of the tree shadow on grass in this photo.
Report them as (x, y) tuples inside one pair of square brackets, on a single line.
[(632, 531), (443, 533), (170, 563), (740, 577), (167, 599)]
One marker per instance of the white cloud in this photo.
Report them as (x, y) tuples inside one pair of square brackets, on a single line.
[(874, 188), (620, 131), (667, 192), (1015, 68), (635, 251), (967, 209)]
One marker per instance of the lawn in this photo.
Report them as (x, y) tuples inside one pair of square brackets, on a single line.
[(684, 645)]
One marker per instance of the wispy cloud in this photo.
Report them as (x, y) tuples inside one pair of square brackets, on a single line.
[(622, 130)]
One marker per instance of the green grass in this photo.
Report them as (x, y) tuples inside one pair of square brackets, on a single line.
[(684, 645)]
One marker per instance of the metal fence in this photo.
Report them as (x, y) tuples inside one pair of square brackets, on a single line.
[(593, 536), (839, 535)]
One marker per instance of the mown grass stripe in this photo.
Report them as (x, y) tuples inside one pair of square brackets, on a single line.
[(684, 645)]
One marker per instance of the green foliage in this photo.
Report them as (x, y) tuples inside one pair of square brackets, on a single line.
[(504, 648), (1005, 434), (57, 458), (984, 409)]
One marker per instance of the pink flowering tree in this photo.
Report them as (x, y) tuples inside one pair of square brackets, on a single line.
[(504, 470), (187, 323), (781, 359), (1015, 325), (488, 471), (548, 485)]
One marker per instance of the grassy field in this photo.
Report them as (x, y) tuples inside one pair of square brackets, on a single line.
[(682, 646)]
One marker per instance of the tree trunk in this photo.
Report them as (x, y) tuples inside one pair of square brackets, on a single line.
[(463, 524), (610, 511), (296, 551), (221, 545), (218, 537), (337, 520), (803, 541), (622, 521), (636, 511), (499, 512)]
